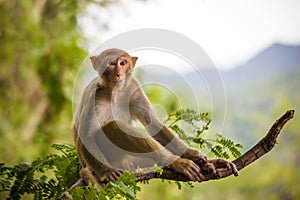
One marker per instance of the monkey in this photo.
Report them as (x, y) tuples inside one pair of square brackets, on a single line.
[(108, 143)]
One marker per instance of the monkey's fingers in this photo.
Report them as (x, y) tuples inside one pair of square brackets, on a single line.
[(188, 168), (116, 174), (112, 176), (201, 161), (194, 172), (203, 158), (234, 169), (210, 167), (222, 163), (119, 172), (195, 155)]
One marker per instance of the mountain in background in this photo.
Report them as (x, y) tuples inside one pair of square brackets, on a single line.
[(275, 60), (257, 92)]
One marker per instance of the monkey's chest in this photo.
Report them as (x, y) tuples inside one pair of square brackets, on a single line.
[(109, 111)]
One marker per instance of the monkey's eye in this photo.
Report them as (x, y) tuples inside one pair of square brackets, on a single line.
[(123, 62), (112, 63)]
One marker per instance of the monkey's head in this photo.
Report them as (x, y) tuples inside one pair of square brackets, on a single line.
[(113, 65)]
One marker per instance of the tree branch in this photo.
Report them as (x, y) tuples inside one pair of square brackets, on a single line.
[(261, 148)]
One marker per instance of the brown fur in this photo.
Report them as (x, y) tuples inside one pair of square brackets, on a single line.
[(106, 141)]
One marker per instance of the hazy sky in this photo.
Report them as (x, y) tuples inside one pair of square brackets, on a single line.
[(230, 31)]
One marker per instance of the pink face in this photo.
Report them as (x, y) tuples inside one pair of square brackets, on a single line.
[(116, 70), (115, 66)]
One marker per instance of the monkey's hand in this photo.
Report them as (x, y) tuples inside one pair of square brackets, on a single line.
[(188, 168), (220, 163), (111, 175), (209, 166), (195, 155)]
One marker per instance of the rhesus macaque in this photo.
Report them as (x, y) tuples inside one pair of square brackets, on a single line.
[(106, 141)]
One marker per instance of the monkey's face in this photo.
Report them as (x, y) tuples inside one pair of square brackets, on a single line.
[(113, 65), (116, 69)]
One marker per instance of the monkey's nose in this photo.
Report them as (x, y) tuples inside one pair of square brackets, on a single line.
[(118, 76)]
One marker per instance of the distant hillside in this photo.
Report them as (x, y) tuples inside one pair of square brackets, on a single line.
[(275, 60), (277, 56)]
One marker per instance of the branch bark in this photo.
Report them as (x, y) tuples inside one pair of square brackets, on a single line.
[(265, 145)]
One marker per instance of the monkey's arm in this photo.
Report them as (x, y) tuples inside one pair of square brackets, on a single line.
[(141, 109)]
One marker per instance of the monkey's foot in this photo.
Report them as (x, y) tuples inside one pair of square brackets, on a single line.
[(111, 176)]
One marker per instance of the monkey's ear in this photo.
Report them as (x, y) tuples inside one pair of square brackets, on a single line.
[(95, 62), (134, 59)]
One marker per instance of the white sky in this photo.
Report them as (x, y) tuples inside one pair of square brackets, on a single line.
[(230, 31)]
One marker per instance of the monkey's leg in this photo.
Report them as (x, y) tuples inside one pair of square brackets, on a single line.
[(76, 141), (119, 133), (98, 165), (133, 140)]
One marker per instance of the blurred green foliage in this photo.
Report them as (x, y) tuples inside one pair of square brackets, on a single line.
[(39, 59)]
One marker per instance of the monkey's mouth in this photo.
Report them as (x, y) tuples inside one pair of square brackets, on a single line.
[(119, 77)]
